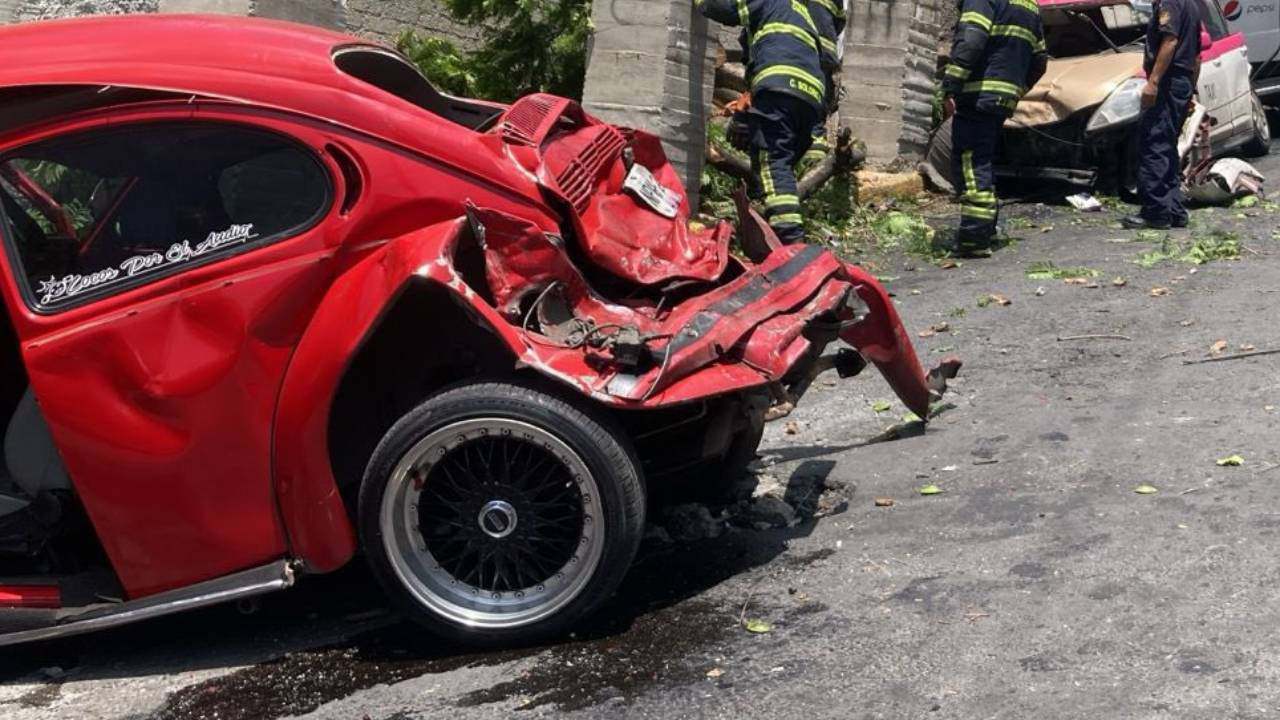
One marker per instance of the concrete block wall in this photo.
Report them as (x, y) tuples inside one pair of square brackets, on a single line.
[(931, 20), (875, 61), (385, 19), (377, 19), (652, 66)]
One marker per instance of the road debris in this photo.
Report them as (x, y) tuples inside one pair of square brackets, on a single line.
[(1159, 291), (1145, 489), (1069, 338), (993, 299), (1084, 202), (1236, 356), (930, 490), (884, 502), (691, 522), (1231, 461), (714, 673), (1218, 348)]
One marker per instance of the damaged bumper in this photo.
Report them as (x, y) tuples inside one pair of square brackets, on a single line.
[(770, 323)]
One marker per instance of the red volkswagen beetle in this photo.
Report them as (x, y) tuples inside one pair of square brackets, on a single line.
[(272, 300)]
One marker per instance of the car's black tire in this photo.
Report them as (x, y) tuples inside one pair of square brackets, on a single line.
[(1260, 142), (409, 501)]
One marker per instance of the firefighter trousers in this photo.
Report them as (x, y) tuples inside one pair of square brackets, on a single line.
[(974, 135), (781, 132)]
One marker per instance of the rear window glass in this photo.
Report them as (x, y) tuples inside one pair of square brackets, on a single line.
[(98, 212)]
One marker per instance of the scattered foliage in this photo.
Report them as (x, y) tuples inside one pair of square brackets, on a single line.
[(1046, 270)]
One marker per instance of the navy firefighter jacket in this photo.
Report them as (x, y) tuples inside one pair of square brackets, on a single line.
[(997, 55), (782, 45)]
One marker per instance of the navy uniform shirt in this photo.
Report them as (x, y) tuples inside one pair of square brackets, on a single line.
[(1180, 19)]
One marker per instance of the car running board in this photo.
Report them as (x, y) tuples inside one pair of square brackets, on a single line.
[(28, 625)]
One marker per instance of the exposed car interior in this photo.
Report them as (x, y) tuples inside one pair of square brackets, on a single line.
[(110, 202)]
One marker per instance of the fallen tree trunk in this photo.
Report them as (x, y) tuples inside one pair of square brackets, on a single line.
[(845, 157)]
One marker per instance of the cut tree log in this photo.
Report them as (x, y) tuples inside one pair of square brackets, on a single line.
[(845, 157)]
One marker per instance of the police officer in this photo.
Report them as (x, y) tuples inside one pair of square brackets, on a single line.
[(829, 17), (1172, 63), (998, 53), (787, 98)]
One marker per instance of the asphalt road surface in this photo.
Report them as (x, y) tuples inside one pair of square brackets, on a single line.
[(1037, 584)]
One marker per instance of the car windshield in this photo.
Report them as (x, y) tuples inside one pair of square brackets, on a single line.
[(1073, 32)]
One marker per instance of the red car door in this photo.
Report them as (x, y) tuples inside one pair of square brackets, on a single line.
[(156, 330)]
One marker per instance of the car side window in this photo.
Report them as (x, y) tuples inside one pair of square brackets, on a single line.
[(1213, 20), (98, 212)]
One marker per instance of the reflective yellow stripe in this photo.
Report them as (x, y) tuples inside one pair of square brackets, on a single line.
[(829, 46), (793, 30), (808, 84), (978, 212), (813, 155), (1016, 31), (977, 18), (787, 219), (744, 16), (957, 72), (1000, 87), (980, 197), (970, 180), (800, 8), (831, 8), (779, 200), (766, 177), (1028, 5)]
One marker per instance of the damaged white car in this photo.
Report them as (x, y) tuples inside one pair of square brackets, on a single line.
[(1078, 124)]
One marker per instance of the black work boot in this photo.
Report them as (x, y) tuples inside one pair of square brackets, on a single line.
[(1137, 222)]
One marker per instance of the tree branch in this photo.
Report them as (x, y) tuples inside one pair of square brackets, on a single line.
[(842, 159)]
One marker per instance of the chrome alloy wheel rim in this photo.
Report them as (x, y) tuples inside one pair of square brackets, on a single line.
[(493, 523)]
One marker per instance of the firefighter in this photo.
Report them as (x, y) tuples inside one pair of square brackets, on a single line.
[(788, 98), (998, 53), (829, 17), (1172, 63)]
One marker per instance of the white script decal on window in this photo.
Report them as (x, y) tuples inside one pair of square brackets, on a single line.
[(57, 290)]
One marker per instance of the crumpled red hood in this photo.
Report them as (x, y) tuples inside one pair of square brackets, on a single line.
[(583, 163)]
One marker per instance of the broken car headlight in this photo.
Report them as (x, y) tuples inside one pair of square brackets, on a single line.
[(1121, 106)]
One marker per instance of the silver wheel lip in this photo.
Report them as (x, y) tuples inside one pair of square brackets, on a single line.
[(425, 580)]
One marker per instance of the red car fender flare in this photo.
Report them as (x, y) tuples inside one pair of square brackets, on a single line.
[(311, 507)]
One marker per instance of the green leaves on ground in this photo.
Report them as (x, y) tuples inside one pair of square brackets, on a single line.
[(758, 626), (905, 230), (881, 406), (1216, 245), (930, 490), (1045, 270), (1145, 489), (1231, 461)]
